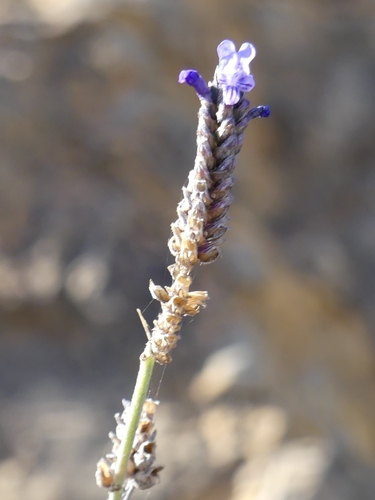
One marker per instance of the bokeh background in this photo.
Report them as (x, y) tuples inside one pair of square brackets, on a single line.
[(271, 395)]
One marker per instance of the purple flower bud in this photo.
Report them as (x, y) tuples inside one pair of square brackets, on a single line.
[(260, 112), (233, 71), (194, 79)]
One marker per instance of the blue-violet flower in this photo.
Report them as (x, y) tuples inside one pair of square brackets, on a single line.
[(233, 71), (194, 79)]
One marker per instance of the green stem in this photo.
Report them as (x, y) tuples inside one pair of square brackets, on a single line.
[(146, 366)]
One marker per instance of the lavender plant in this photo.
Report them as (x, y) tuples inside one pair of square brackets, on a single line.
[(197, 233)]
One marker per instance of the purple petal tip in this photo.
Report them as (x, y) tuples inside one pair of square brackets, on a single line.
[(195, 80)]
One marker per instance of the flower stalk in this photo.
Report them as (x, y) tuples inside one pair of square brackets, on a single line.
[(196, 237), (142, 384)]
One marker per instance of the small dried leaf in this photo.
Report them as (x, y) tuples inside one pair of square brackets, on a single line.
[(158, 292), (104, 475)]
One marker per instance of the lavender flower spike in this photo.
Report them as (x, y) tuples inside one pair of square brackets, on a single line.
[(194, 79), (233, 71)]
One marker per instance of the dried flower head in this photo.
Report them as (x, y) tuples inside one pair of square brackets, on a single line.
[(141, 472), (233, 71)]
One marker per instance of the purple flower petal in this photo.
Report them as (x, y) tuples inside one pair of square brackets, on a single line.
[(246, 83), (231, 95), (233, 71), (225, 48), (247, 53)]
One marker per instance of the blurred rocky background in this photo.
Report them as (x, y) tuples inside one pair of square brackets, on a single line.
[(271, 395)]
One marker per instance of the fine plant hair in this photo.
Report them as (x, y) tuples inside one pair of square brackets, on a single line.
[(197, 233)]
